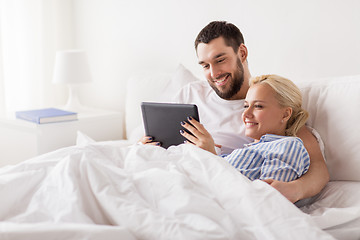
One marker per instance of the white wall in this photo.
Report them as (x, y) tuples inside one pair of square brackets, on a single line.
[(296, 39), (31, 32)]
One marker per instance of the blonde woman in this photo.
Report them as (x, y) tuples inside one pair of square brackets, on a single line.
[(273, 115)]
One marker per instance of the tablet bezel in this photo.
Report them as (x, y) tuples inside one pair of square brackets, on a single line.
[(162, 121)]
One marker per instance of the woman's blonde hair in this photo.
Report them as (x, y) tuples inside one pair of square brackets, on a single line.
[(288, 95)]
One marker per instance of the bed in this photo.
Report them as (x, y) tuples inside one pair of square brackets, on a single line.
[(122, 190)]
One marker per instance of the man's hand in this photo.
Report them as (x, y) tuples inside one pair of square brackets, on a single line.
[(288, 189), (312, 182), (148, 140), (201, 137)]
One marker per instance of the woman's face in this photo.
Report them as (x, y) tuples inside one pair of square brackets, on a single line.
[(263, 113)]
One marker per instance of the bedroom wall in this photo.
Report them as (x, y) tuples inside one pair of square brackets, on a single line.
[(302, 39)]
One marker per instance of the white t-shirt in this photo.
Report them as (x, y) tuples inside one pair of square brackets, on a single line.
[(221, 118)]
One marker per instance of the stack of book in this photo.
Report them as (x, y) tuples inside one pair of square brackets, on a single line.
[(46, 115)]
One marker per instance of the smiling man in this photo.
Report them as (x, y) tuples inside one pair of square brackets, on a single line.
[(223, 69), (222, 53)]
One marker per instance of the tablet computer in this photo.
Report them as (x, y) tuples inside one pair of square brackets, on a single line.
[(162, 121)]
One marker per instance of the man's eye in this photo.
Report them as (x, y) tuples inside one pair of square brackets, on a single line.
[(205, 66), (221, 60)]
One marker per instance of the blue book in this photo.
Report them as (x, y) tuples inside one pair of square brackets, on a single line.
[(46, 115)]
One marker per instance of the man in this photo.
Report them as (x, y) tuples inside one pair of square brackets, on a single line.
[(223, 55)]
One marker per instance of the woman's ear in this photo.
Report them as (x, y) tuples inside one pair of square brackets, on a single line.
[(287, 114), (242, 53)]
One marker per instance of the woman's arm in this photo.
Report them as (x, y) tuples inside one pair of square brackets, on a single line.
[(286, 161), (314, 180)]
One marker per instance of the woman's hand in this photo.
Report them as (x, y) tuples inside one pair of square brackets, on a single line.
[(201, 137), (148, 140)]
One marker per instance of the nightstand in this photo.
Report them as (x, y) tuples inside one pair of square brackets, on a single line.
[(21, 140)]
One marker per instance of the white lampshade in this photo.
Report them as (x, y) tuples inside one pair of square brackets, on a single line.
[(72, 69), (71, 66)]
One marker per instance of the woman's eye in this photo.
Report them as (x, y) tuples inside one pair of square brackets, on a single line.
[(258, 106), (246, 106)]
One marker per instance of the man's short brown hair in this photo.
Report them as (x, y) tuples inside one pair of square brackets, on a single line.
[(231, 34)]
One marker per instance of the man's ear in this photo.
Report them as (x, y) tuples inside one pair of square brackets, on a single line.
[(243, 52), (287, 114)]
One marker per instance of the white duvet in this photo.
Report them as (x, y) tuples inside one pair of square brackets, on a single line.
[(109, 191)]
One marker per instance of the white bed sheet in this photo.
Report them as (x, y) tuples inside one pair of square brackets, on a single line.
[(337, 209), (108, 190)]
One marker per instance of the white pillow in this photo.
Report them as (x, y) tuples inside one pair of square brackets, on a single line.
[(334, 107), (159, 88)]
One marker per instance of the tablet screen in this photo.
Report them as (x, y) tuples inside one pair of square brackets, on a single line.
[(162, 121)]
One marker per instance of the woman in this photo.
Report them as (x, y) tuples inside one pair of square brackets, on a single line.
[(272, 117)]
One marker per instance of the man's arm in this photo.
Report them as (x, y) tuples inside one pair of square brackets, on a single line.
[(314, 180)]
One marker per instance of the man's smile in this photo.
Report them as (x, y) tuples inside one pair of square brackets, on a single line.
[(222, 80)]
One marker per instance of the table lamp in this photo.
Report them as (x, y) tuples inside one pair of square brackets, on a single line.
[(72, 69)]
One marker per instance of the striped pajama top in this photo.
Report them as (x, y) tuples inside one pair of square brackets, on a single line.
[(277, 157)]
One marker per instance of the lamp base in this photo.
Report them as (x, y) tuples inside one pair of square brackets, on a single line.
[(73, 104)]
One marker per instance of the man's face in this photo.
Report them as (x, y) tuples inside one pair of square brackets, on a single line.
[(222, 67)]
